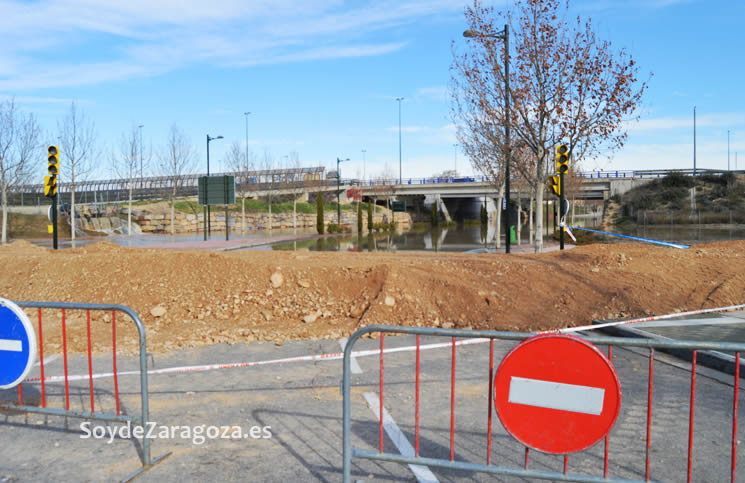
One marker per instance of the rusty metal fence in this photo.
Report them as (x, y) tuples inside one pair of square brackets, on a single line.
[(91, 413), (648, 345)]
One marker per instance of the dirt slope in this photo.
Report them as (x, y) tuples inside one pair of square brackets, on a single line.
[(211, 297)]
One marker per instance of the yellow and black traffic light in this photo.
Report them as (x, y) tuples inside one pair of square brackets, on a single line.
[(562, 159), (553, 184), (50, 186), (53, 160)]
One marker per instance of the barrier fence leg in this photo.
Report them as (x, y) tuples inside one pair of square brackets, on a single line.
[(649, 412), (734, 417), (690, 418)]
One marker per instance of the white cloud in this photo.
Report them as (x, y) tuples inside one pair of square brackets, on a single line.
[(437, 93), (106, 40), (705, 120)]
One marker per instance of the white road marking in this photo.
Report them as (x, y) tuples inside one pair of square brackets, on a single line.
[(11, 345), (47, 360), (556, 395), (422, 473), (356, 369)]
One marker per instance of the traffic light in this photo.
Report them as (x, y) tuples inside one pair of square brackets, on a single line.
[(553, 184), (53, 160), (50, 186), (562, 159)]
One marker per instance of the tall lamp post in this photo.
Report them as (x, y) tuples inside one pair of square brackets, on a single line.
[(400, 177), (338, 184), (504, 36), (207, 221), (363, 165)]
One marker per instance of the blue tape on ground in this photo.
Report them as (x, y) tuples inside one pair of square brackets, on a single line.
[(647, 240)]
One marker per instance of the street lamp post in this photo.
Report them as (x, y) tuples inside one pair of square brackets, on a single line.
[(338, 189), (363, 165), (400, 177), (504, 36), (207, 214)]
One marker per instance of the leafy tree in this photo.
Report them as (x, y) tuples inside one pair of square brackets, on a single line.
[(566, 85)]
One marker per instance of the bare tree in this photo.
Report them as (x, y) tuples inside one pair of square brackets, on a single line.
[(295, 182), (241, 163), (77, 144), (126, 164), (270, 179), (19, 142), (566, 86), (176, 159)]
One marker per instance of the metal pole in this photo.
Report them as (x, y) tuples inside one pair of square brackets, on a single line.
[(561, 210), (54, 221), (246, 114), (694, 141), (455, 158), (400, 177), (206, 200), (363, 163), (338, 206), (227, 226), (727, 149), (507, 133), (205, 188)]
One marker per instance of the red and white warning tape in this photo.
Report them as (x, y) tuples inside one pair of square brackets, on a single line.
[(234, 365), (364, 353), (646, 319)]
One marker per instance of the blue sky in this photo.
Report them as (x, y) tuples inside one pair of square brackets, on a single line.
[(320, 77)]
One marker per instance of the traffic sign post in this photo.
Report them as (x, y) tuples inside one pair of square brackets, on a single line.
[(17, 345), (557, 393)]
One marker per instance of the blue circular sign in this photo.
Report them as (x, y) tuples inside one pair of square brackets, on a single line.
[(17, 345)]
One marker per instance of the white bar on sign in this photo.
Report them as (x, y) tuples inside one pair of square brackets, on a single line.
[(556, 395), (11, 345)]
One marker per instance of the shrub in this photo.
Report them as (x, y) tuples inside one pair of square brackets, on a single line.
[(359, 217), (369, 216), (677, 180), (319, 213), (484, 215)]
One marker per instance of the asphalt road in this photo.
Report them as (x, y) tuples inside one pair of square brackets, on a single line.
[(302, 406)]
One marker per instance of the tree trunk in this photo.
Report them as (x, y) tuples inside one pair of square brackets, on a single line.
[(72, 207), (173, 209), (5, 212), (294, 215), (270, 215), (539, 218), (243, 215), (574, 202), (530, 219), (519, 217), (129, 210), (500, 197)]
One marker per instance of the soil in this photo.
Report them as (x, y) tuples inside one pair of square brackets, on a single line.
[(195, 298)]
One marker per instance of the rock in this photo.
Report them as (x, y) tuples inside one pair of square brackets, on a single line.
[(310, 318), (303, 283), (357, 311), (277, 279), (267, 315), (595, 269), (390, 301), (158, 311), (269, 293), (448, 325)]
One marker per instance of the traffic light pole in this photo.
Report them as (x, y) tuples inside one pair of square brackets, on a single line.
[(54, 221), (561, 209)]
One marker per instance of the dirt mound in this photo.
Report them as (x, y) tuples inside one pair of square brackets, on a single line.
[(189, 299)]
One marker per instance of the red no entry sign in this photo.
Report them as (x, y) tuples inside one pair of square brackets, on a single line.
[(557, 393)]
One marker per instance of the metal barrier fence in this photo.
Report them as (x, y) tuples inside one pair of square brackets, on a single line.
[(92, 414), (651, 344)]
